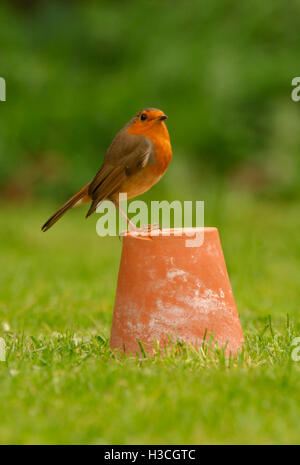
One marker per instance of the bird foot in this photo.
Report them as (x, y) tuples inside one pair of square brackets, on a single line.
[(143, 231), (147, 228)]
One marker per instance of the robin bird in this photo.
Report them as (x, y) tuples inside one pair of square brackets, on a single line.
[(136, 159)]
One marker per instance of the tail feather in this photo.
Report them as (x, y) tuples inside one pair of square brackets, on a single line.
[(92, 207), (66, 206)]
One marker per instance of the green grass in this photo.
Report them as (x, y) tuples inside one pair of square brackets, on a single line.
[(61, 383)]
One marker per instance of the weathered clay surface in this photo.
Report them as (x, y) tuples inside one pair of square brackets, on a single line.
[(165, 288)]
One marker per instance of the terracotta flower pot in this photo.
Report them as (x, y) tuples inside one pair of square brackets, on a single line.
[(166, 289)]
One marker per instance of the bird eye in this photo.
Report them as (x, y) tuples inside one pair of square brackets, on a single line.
[(143, 117)]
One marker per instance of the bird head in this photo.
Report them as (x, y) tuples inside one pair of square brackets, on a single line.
[(146, 121)]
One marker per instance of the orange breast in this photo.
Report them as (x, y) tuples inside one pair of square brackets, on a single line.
[(158, 133), (142, 181), (163, 152)]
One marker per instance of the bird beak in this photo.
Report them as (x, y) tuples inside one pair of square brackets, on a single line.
[(162, 117)]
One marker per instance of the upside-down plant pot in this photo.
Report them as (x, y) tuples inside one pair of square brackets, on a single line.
[(168, 291)]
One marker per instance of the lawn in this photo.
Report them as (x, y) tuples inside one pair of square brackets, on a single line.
[(60, 382)]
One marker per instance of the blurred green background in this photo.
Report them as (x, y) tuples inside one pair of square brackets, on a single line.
[(77, 71)]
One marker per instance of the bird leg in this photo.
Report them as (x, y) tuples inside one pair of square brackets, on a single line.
[(130, 223), (132, 227)]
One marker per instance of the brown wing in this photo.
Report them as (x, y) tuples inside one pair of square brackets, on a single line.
[(126, 155)]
